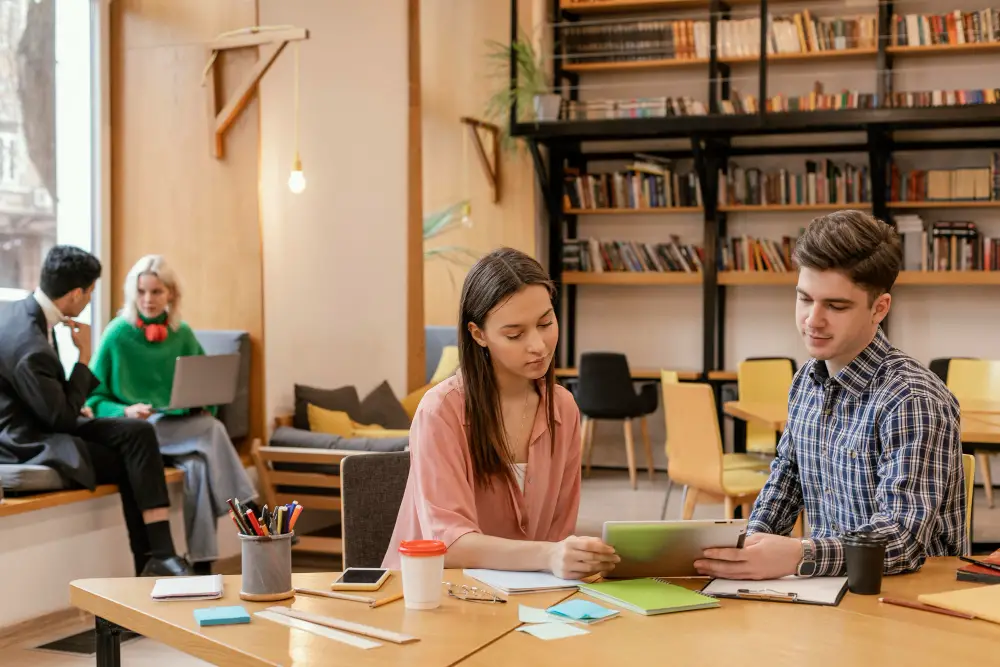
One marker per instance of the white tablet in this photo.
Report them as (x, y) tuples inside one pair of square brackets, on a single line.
[(668, 548)]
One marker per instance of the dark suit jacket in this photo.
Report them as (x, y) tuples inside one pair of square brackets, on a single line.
[(39, 406)]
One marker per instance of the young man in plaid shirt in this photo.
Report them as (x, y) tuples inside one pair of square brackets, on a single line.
[(873, 438)]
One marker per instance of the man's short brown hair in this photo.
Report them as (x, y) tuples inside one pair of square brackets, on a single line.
[(861, 246)]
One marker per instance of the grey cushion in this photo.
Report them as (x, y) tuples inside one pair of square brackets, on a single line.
[(30, 479), (383, 408), (437, 338), (236, 415), (371, 490), (342, 399)]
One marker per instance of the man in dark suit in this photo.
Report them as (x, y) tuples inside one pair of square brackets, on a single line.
[(42, 420)]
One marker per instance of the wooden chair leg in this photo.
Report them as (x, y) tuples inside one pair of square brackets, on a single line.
[(797, 528), (690, 500), (746, 507), (589, 435), (730, 507), (630, 453), (984, 465), (649, 448)]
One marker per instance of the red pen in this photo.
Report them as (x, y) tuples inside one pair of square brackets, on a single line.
[(254, 523)]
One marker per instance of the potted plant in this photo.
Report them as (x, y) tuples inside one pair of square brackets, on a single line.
[(532, 90), (446, 219)]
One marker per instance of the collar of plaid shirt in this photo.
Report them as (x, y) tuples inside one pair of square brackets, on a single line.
[(857, 375)]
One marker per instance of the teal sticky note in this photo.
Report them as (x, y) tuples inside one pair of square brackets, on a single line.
[(581, 610), (221, 616)]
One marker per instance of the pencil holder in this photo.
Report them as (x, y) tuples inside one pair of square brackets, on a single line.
[(267, 567)]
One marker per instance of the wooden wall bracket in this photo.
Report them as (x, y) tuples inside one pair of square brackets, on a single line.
[(273, 42), (490, 164)]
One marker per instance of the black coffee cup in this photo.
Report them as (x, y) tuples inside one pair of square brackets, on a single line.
[(864, 554)]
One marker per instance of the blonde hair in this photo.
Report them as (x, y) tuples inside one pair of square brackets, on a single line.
[(157, 266)]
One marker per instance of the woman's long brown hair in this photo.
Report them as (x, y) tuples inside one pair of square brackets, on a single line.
[(495, 278)]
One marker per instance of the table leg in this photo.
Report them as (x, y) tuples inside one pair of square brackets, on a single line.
[(109, 643)]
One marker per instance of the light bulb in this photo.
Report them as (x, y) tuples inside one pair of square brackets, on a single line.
[(296, 179), (466, 217)]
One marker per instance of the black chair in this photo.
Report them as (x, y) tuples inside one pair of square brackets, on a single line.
[(372, 486), (605, 391)]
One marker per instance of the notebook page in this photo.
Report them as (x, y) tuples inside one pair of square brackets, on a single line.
[(821, 590), (520, 582), (206, 587)]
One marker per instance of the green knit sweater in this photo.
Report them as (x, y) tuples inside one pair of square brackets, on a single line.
[(133, 370)]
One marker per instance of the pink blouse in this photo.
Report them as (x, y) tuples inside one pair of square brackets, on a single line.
[(442, 502)]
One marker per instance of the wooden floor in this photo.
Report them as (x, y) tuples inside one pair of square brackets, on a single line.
[(605, 495)]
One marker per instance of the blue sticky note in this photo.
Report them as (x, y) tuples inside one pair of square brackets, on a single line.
[(221, 616), (581, 610)]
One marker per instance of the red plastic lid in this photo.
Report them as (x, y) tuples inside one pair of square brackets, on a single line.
[(422, 548)]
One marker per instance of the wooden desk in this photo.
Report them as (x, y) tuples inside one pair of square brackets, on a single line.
[(447, 634), (637, 374), (742, 632), (976, 406)]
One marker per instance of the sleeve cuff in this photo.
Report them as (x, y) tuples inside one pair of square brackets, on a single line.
[(829, 557)]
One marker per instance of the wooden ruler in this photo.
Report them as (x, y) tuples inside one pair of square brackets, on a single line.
[(347, 626), (322, 631)]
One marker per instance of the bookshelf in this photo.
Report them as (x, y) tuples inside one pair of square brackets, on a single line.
[(715, 139)]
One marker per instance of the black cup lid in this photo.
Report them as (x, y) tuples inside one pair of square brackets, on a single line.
[(864, 539)]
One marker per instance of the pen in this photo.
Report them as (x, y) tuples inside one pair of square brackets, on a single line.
[(981, 563), (254, 523), (747, 594), (924, 607), (295, 517)]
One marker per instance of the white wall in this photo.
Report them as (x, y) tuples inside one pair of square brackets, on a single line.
[(334, 256)]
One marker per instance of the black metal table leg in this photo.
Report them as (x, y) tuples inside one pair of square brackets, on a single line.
[(109, 643)]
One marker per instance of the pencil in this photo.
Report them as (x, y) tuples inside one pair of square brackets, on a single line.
[(925, 607), (336, 596), (391, 598)]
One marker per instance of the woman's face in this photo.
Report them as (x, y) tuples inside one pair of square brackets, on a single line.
[(521, 333), (152, 296)]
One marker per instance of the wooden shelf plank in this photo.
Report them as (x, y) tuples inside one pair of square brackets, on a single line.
[(927, 278), (769, 208), (630, 278), (944, 204), (801, 56), (616, 6), (757, 278), (673, 210), (944, 49), (633, 65)]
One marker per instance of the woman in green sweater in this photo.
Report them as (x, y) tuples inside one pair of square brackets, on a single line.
[(135, 364)]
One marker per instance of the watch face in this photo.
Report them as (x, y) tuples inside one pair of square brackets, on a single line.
[(807, 568)]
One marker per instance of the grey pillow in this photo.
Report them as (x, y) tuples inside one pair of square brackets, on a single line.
[(343, 399), (383, 408)]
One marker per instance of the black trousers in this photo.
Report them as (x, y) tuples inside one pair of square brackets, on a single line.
[(126, 452)]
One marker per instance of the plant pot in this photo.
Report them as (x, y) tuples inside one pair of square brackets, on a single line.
[(547, 107)]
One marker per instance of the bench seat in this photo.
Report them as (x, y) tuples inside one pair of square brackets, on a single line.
[(19, 505)]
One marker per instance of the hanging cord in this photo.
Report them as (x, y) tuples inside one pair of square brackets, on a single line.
[(297, 163)]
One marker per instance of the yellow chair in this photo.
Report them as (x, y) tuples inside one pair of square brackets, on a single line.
[(976, 379), (763, 381), (969, 463), (696, 458), (729, 461)]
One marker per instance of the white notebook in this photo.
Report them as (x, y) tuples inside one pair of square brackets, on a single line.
[(809, 590), (208, 587), (513, 583)]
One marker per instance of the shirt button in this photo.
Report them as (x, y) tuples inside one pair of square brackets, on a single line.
[(827, 413), (835, 527), (854, 454), (827, 490)]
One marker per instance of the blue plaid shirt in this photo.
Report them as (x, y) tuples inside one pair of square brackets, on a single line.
[(877, 447)]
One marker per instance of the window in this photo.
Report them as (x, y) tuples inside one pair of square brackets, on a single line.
[(49, 152)]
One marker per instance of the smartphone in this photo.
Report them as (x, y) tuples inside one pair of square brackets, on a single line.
[(361, 579)]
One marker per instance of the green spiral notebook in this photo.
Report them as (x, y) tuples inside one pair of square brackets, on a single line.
[(649, 596)]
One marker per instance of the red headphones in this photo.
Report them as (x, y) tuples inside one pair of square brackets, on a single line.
[(155, 333)]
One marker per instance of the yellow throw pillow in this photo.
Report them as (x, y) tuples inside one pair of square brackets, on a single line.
[(412, 400), (334, 422)]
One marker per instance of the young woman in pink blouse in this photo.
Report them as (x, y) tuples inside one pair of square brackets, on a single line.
[(495, 449)]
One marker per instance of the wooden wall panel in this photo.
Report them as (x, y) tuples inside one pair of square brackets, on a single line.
[(169, 196)]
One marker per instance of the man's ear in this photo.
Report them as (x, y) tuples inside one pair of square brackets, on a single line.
[(477, 334), (882, 304)]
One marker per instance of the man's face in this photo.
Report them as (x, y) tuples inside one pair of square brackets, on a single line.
[(80, 299), (834, 316)]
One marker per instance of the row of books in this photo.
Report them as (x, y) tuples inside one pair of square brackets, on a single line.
[(957, 27), (640, 185), (946, 245), (746, 253), (814, 101), (629, 41), (599, 256), (823, 182), (971, 184), (646, 107), (942, 98)]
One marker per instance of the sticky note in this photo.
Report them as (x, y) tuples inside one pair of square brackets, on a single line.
[(548, 631), (527, 614), (221, 616), (581, 610)]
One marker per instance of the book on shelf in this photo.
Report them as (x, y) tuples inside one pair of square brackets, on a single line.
[(822, 182), (919, 99), (796, 33), (746, 253), (817, 100), (946, 245), (623, 41), (643, 184), (967, 184), (599, 256), (957, 27), (636, 107)]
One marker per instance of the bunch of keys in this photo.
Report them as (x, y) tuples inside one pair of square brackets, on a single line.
[(472, 593)]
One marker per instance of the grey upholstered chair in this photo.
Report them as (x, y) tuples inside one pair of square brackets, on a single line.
[(371, 491)]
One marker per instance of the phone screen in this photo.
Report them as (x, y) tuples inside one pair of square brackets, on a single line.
[(357, 576)]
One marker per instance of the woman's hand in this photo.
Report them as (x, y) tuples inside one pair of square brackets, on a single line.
[(139, 411), (580, 557)]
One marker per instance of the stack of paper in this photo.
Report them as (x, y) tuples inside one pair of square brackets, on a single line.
[(812, 590), (649, 596), (513, 583), (188, 588)]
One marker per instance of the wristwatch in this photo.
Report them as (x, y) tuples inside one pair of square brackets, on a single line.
[(807, 566)]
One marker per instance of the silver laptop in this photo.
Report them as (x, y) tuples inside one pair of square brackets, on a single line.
[(668, 548), (204, 380)]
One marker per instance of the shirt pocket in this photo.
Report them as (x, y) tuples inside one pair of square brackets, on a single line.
[(855, 469)]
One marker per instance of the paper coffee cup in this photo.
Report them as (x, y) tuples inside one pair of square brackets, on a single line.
[(422, 565)]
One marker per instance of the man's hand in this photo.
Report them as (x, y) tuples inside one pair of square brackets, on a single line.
[(763, 556), (580, 557), (86, 412), (81, 338), (139, 411)]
